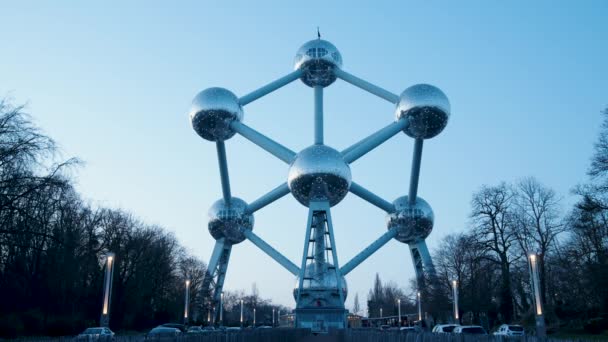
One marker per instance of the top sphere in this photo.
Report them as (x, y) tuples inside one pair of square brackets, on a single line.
[(212, 111), (426, 107), (319, 173), (318, 58)]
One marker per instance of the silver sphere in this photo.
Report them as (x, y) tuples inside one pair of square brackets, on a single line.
[(318, 58), (413, 223), (427, 108), (212, 111), (230, 221), (320, 278), (319, 173)]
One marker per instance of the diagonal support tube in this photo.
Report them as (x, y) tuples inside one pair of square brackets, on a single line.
[(263, 141), (372, 198), (415, 174), (360, 148), (221, 158), (268, 198), (363, 84), (273, 253), (270, 87), (318, 115), (368, 251)]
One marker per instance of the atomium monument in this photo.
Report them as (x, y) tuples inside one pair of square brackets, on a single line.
[(318, 177)]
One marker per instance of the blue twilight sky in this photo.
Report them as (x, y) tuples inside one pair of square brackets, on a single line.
[(112, 83)]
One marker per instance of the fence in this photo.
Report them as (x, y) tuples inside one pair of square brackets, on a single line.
[(305, 335)]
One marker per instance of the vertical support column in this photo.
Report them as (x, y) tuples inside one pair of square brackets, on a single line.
[(318, 115), (541, 329), (304, 256), (221, 158), (104, 321), (334, 253), (415, 174)]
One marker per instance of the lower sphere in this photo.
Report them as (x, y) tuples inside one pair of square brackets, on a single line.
[(412, 222), (230, 221)]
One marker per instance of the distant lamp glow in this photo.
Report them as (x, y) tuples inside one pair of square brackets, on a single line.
[(222, 308), (254, 317), (399, 310), (187, 301), (455, 297), (541, 330), (419, 307), (104, 321), (241, 312)]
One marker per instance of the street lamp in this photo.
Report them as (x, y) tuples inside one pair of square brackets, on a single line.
[(399, 310), (541, 330), (241, 313), (273, 317), (222, 308), (104, 321), (455, 296), (187, 301), (419, 307), (254, 317), (380, 312)]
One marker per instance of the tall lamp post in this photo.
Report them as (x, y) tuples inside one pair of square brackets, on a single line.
[(455, 296), (399, 310), (273, 317), (419, 307), (222, 308), (541, 329), (241, 313), (104, 321), (187, 302), (254, 317)]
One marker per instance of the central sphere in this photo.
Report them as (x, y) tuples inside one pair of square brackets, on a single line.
[(318, 58), (319, 173), (412, 222), (229, 221)]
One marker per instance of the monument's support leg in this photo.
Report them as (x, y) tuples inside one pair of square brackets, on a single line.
[(213, 282)]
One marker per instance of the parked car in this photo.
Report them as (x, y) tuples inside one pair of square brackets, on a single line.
[(510, 330), (470, 329), (233, 329), (96, 334), (445, 328), (264, 327), (195, 330), (410, 329), (208, 329), (181, 327), (161, 332)]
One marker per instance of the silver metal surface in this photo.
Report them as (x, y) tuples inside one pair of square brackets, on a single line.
[(271, 252), (212, 111), (318, 58), (415, 173), (412, 222), (318, 115), (319, 173), (263, 141), (270, 87), (367, 252), (369, 87), (427, 108), (223, 163), (229, 221), (369, 143), (371, 197)]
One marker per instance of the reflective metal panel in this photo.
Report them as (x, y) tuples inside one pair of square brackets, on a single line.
[(229, 221), (212, 111), (318, 58), (412, 222), (427, 108), (319, 173)]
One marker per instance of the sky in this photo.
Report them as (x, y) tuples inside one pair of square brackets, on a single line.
[(112, 83)]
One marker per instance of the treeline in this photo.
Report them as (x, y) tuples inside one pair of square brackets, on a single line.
[(511, 221), (53, 245)]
